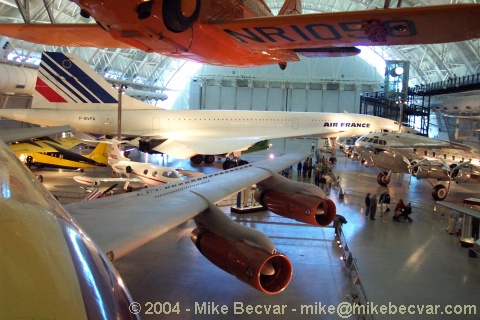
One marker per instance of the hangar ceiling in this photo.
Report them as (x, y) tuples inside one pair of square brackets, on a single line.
[(429, 63)]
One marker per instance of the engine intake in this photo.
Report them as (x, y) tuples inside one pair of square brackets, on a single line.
[(300, 201), (269, 273), (244, 252), (463, 174)]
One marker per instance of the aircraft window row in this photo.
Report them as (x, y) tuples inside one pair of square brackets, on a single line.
[(215, 119)]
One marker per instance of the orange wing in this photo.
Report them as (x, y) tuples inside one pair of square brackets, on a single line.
[(396, 26), (74, 35)]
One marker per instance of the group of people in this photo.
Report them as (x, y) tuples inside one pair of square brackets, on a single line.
[(322, 172), (401, 210)]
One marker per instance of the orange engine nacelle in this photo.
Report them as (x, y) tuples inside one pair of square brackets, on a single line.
[(301, 207), (267, 272)]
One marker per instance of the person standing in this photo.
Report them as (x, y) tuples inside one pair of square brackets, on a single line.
[(367, 204), (328, 183), (322, 181), (384, 205), (373, 207), (299, 169)]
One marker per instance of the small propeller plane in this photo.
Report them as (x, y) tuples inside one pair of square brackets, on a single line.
[(134, 174), (50, 153), (245, 33), (421, 157)]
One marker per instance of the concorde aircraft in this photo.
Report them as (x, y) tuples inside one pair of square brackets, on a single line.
[(68, 91), (245, 33), (133, 173), (56, 263), (422, 157)]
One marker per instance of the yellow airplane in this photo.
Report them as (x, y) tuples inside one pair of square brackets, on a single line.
[(57, 154), (245, 33)]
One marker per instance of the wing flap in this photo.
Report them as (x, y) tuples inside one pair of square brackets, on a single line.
[(73, 35), (395, 26), (124, 222)]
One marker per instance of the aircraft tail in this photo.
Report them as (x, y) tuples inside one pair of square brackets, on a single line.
[(115, 153), (64, 81), (291, 7), (99, 154)]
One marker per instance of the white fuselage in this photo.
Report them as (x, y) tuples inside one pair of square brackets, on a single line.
[(151, 175), (175, 124)]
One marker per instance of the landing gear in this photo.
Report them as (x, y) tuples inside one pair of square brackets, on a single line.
[(232, 163), (383, 179), (208, 158), (197, 159), (29, 161), (180, 15), (439, 192)]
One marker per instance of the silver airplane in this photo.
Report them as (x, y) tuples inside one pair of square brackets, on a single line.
[(422, 157)]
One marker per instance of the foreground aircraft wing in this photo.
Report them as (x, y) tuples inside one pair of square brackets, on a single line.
[(122, 223), (12, 135)]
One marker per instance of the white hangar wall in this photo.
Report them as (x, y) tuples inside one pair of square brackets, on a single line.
[(310, 85)]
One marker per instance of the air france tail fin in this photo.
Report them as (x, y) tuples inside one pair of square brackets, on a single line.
[(66, 82)]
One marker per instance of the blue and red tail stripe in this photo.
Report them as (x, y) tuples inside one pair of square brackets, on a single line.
[(49, 94), (72, 79)]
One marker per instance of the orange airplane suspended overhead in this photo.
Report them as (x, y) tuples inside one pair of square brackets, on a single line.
[(245, 33)]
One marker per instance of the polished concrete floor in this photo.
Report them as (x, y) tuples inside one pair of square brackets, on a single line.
[(417, 266)]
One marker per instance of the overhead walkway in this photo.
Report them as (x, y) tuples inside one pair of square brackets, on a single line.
[(413, 115)]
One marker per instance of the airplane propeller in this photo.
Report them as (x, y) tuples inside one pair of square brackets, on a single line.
[(454, 170), (411, 165)]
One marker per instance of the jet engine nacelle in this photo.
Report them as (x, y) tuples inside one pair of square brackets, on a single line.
[(430, 172), (300, 201), (243, 252)]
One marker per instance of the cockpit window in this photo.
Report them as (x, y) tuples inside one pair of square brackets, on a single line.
[(375, 141)]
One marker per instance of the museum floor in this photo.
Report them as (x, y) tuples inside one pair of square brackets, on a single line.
[(415, 268)]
